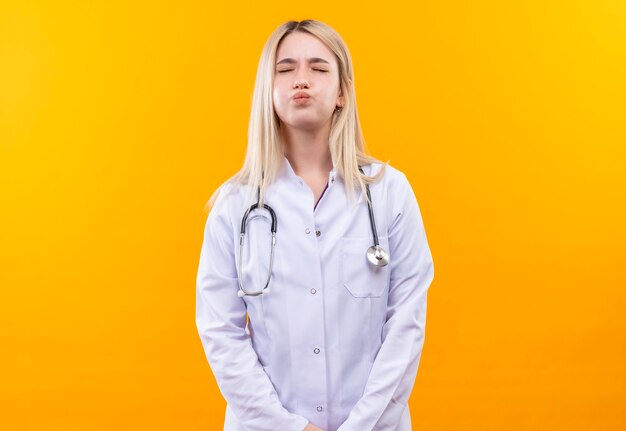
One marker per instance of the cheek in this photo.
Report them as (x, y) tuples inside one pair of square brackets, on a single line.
[(333, 90), (330, 99), (278, 96)]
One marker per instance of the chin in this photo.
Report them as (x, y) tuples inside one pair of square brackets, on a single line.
[(304, 124), (308, 123)]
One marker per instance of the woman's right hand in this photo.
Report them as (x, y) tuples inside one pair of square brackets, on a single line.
[(311, 427)]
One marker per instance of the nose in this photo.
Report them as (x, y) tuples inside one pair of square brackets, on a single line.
[(301, 83)]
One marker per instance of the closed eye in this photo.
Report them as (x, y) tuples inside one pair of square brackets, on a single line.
[(289, 70)]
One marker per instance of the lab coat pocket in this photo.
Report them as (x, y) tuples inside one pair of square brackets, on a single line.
[(358, 275)]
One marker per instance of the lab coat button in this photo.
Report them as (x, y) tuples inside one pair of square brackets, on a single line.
[(307, 230), (319, 408), (318, 233), (313, 291), (316, 350)]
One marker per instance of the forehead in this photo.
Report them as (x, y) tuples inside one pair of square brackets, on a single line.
[(301, 46)]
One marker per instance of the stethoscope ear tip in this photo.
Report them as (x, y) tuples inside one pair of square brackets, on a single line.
[(266, 291), (240, 293)]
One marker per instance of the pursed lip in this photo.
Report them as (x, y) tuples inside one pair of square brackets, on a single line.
[(301, 95)]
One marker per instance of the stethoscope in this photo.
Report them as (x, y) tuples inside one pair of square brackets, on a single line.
[(376, 255)]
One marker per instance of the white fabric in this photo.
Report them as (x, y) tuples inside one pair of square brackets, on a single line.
[(368, 323)]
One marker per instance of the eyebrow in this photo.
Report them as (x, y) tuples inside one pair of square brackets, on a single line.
[(310, 60)]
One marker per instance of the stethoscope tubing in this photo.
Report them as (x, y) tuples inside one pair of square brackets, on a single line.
[(369, 207), (375, 253)]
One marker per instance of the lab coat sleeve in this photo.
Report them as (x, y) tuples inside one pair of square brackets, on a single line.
[(393, 373), (221, 319)]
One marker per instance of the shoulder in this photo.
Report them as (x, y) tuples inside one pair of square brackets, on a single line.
[(395, 190), (223, 200), (222, 220), (393, 178), (228, 194)]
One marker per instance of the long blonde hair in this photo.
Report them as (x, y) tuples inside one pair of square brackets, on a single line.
[(265, 149)]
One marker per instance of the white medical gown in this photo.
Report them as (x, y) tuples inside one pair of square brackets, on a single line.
[(337, 342)]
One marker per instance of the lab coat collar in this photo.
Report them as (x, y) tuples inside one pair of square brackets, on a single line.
[(287, 172)]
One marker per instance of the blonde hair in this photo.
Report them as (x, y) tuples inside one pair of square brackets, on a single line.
[(266, 149)]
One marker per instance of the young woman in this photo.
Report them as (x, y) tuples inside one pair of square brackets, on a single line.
[(315, 267)]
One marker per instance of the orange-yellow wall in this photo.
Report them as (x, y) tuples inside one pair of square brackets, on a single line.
[(118, 119)]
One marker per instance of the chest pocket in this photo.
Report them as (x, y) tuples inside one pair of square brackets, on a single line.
[(358, 275)]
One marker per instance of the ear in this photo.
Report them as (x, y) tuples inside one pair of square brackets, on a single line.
[(341, 99)]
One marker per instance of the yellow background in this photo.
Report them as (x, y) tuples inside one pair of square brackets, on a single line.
[(118, 120)]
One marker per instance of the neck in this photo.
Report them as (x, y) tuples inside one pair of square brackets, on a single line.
[(308, 151)]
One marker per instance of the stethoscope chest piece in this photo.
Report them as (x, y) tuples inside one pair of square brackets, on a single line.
[(377, 255)]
